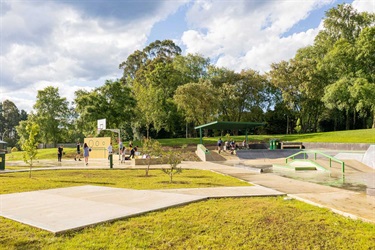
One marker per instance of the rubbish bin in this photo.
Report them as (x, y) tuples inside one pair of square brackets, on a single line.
[(277, 144), (272, 144), (2, 161)]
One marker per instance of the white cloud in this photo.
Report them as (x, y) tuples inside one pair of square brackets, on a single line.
[(69, 45), (248, 34), (364, 5)]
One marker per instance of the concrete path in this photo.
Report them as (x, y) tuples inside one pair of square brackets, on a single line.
[(353, 204)]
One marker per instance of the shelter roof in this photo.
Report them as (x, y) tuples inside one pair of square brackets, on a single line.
[(230, 125)]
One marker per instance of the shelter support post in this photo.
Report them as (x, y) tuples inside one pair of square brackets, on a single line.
[(200, 136)]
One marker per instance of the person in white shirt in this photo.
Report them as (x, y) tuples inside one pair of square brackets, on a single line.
[(110, 150)]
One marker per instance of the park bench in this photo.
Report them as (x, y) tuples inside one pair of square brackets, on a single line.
[(291, 145)]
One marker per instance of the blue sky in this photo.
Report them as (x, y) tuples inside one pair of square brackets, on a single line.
[(79, 44)]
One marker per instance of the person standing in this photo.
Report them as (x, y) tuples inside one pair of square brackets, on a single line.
[(121, 145), (86, 153), (123, 157), (219, 143), (110, 150), (78, 155), (60, 150), (132, 153)]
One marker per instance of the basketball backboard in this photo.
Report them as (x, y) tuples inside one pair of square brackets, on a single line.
[(102, 124)]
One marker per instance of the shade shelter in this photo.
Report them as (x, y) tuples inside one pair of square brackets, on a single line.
[(247, 126)]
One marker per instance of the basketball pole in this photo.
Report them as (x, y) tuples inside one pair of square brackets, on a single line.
[(117, 130)]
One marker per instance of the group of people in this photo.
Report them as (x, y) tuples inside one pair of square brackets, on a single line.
[(123, 151), (232, 146), (86, 154)]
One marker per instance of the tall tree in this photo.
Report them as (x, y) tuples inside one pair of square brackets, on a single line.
[(345, 22), (365, 54), (112, 101), (51, 114), (154, 79), (243, 95), (191, 67), (11, 116), (198, 101), (161, 51)]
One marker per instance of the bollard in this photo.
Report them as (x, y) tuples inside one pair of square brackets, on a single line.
[(110, 161), (2, 161)]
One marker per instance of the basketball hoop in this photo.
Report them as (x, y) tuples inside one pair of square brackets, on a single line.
[(102, 124)]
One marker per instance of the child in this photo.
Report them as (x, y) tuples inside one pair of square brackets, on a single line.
[(123, 154)]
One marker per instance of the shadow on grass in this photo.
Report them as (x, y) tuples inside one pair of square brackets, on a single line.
[(198, 177), (175, 182), (88, 182)]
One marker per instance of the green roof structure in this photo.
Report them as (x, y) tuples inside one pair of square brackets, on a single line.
[(229, 125)]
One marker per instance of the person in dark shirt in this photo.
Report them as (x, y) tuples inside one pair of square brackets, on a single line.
[(60, 150), (78, 155)]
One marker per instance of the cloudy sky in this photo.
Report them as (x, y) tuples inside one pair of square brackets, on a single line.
[(78, 44)]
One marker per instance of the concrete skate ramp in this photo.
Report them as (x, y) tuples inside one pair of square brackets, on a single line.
[(369, 157), (62, 209), (267, 154)]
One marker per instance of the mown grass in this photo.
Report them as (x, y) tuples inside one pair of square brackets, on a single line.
[(230, 223), (122, 178), (346, 136), (47, 153)]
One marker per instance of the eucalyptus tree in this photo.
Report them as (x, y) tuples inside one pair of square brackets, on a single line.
[(365, 54), (51, 114), (345, 61), (158, 50), (242, 95), (191, 67), (10, 117), (198, 101), (153, 78)]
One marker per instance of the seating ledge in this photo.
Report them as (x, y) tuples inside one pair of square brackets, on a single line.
[(291, 145)]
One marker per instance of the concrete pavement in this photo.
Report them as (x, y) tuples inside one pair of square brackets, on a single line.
[(348, 203)]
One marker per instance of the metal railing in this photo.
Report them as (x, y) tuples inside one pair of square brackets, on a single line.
[(315, 152)]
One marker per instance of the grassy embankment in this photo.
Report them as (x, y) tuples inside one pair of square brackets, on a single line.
[(347, 136)]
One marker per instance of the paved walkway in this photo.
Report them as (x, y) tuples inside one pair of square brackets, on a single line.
[(58, 210), (353, 204)]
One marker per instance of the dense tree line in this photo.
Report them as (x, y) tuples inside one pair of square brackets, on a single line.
[(326, 86)]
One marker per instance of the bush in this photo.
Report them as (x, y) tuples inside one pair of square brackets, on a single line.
[(14, 149)]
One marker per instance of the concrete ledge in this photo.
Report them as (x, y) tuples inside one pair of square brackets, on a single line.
[(370, 191), (337, 146)]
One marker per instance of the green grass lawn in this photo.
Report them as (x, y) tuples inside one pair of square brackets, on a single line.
[(122, 178), (230, 223), (47, 153), (347, 136)]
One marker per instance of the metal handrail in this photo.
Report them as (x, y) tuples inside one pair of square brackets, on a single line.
[(315, 152)]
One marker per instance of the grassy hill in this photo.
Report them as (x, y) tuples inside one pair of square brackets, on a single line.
[(347, 136)]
